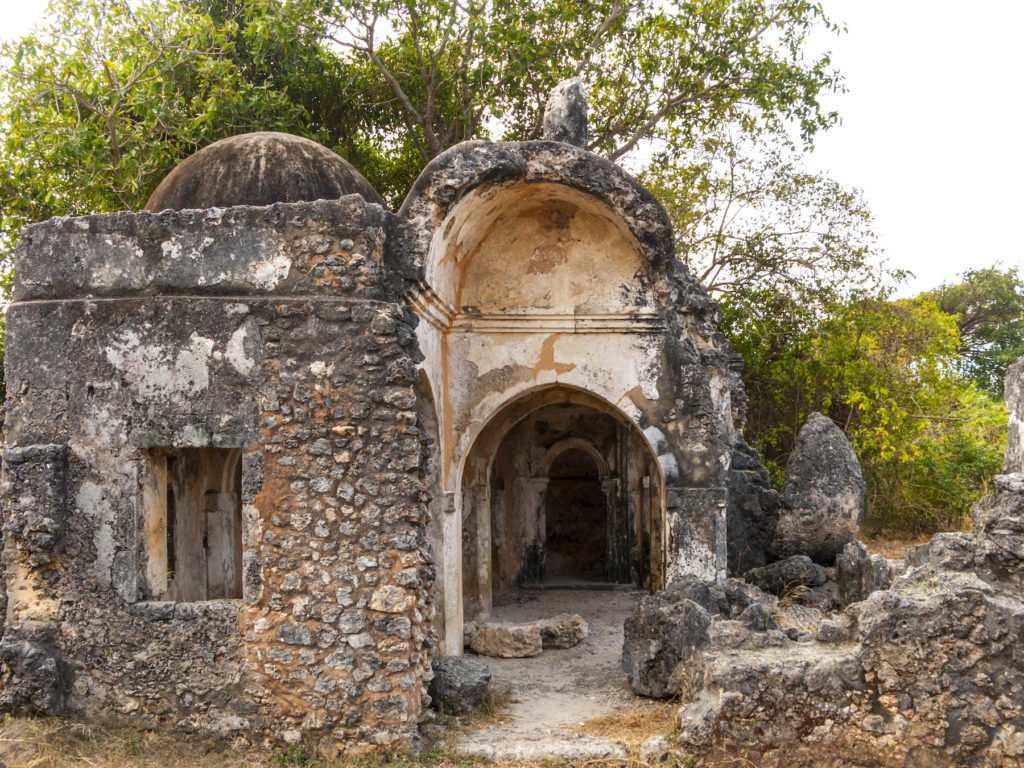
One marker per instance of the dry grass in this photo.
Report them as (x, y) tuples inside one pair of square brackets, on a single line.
[(894, 549), (59, 743)]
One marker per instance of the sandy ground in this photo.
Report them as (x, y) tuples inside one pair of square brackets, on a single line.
[(559, 691)]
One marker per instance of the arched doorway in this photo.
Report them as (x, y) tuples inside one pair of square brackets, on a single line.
[(559, 485)]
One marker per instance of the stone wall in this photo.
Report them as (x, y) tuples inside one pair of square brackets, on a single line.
[(276, 336)]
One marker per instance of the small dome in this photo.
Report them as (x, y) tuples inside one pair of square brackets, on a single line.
[(259, 169)]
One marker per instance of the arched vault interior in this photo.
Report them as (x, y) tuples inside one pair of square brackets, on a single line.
[(559, 486)]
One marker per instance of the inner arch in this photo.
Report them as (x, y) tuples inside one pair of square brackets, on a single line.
[(559, 485)]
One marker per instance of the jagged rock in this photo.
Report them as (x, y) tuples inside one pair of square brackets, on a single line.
[(829, 631), (711, 597), (858, 574), (740, 595), (565, 630), (729, 633), (459, 683), (659, 634), (507, 641), (565, 116), (757, 618), (824, 494), (1014, 393), (654, 750), (927, 672), (753, 510), (31, 672), (785, 576)]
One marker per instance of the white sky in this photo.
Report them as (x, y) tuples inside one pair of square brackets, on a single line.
[(931, 126)]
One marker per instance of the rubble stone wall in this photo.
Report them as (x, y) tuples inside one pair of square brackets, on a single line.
[(278, 333)]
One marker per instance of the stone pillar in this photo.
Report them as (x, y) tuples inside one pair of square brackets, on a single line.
[(451, 562), (696, 522), (1015, 406), (482, 510)]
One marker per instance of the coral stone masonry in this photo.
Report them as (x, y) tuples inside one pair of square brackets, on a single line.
[(262, 463)]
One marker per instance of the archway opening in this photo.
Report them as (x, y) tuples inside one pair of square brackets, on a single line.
[(576, 515), (559, 486)]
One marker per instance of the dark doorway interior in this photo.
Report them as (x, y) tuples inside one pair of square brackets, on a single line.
[(576, 518)]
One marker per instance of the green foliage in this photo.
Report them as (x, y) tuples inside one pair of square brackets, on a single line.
[(101, 103), (99, 106), (292, 755), (988, 305), (885, 371)]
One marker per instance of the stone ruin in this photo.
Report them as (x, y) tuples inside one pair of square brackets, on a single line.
[(919, 663), (270, 447)]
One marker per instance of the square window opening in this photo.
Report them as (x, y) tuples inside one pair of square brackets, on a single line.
[(191, 524)]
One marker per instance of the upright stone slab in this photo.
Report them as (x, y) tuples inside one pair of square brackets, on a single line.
[(1015, 405), (565, 116), (824, 491)]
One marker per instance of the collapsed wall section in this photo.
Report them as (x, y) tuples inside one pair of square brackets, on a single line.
[(213, 492)]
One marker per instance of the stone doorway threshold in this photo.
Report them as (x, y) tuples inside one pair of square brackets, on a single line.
[(553, 696)]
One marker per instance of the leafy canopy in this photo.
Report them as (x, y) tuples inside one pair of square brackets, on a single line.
[(99, 105), (988, 305)]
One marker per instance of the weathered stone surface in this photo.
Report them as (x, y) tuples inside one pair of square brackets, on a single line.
[(259, 169), (823, 494), (34, 481), (858, 575), (565, 116), (654, 750), (832, 632), (765, 699), (561, 747), (459, 683), (927, 672), (1014, 393), (565, 630), (659, 634), (507, 641), (786, 576), (753, 511), (33, 679), (267, 335)]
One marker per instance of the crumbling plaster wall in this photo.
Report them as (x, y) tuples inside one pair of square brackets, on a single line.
[(544, 265), (277, 331)]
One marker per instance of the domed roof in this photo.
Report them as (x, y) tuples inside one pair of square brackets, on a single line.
[(259, 169)]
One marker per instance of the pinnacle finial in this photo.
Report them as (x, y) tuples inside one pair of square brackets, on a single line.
[(565, 116)]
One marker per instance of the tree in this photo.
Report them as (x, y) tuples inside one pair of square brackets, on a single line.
[(676, 67), (885, 371), (102, 103), (99, 107), (988, 305), (750, 220)]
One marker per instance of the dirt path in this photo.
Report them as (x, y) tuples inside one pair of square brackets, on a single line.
[(554, 694)]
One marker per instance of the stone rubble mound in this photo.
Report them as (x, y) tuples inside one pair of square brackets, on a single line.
[(670, 626), (929, 671), (515, 641)]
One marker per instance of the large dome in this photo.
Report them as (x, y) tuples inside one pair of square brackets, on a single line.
[(259, 169)]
